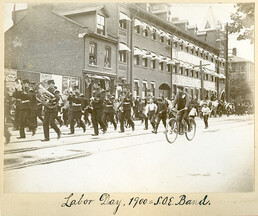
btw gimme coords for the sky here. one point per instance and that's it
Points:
(194, 13)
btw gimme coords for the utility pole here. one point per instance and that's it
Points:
(227, 73)
(201, 73)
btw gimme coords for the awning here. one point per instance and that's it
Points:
(144, 82)
(106, 78)
(124, 17)
(222, 76)
(94, 76)
(146, 54)
(147, 26)
(123, 47)
(137, 51)
(153, 83)
(137, 23)
(205, 70)
(162, 58)
(137, 81)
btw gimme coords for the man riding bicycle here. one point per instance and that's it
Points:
(182, 101)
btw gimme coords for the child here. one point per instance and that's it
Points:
(206, 112)
(193, 112)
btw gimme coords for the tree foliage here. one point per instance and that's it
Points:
(243, 21)
(238, 85)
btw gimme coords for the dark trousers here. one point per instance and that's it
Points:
(65, 116)
(33, 119)
(39, 114)
(205, 119)
(75, 116)
(183, 115)
(16, 118)
(126, 115)
(49, 120)
(159, 118)
(109, 117)
(23, 121)
(96, 118)
(151, 115)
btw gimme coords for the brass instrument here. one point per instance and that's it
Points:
(44, 96)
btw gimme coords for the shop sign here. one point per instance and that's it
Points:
(209, 85)
(186, 81)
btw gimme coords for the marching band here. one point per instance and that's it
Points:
(47, 104)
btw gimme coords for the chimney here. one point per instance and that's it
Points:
(234, 51)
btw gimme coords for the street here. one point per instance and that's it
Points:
(219, 159)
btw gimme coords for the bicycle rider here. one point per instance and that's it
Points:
(182, 101)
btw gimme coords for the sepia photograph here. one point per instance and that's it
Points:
(129, 98)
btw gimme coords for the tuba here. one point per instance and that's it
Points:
(44, 96)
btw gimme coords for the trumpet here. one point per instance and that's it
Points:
(44, 96)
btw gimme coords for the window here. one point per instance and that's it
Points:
(144, 89)
(169, 42)
(197, 75)
(161, 39)
(107, 62)
(175, 44)
(93, 54)
(181, 46)
(174, 69)
(212, 59)
(182, 70)
(196, 52)
(152, 89)
(122, 56)
(192, 73)
(136, 88)
(136, 59)
(100, 24)
(153, 64)
(123, 24)
(187, 72)
(207, 57)
(153, 35)
(145, 32)
(137, 29)
(192, 50)
(206, 77)
(186, 48)
(145, 62)
(212, 78)
(161, 66)
(168, 68)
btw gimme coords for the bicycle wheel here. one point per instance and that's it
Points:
(190, 134)
(171, 130)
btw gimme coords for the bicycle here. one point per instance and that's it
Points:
(172, 128)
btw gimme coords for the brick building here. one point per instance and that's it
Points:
(139, 46)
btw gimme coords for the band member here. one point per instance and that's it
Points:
(76, 110)
(24, 107)
(161, 114)
(33, 111)
(18, 86)
(50, 113)
(125, 112)
(96, 115)
(108, 114)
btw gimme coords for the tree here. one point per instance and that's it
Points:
(239, 88)
(243, 21)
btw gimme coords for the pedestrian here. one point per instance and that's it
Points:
(206, 112)
(108, 114)
(161, 114)
(193, 112)
(150, 111)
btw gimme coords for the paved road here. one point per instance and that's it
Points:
(219, 159)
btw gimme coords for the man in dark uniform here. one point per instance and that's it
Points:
(18, 87)
(24, 107)
(76, 110)
(182, 101)
(161, 114)
(109, 112)
(96, 115)
(51, 113)
(33, 111)
(125, 114)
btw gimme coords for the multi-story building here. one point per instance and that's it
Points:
(243, 69)
(139, 46)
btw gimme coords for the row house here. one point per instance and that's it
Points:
(137, 46)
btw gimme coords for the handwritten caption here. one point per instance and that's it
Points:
(107, 200)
